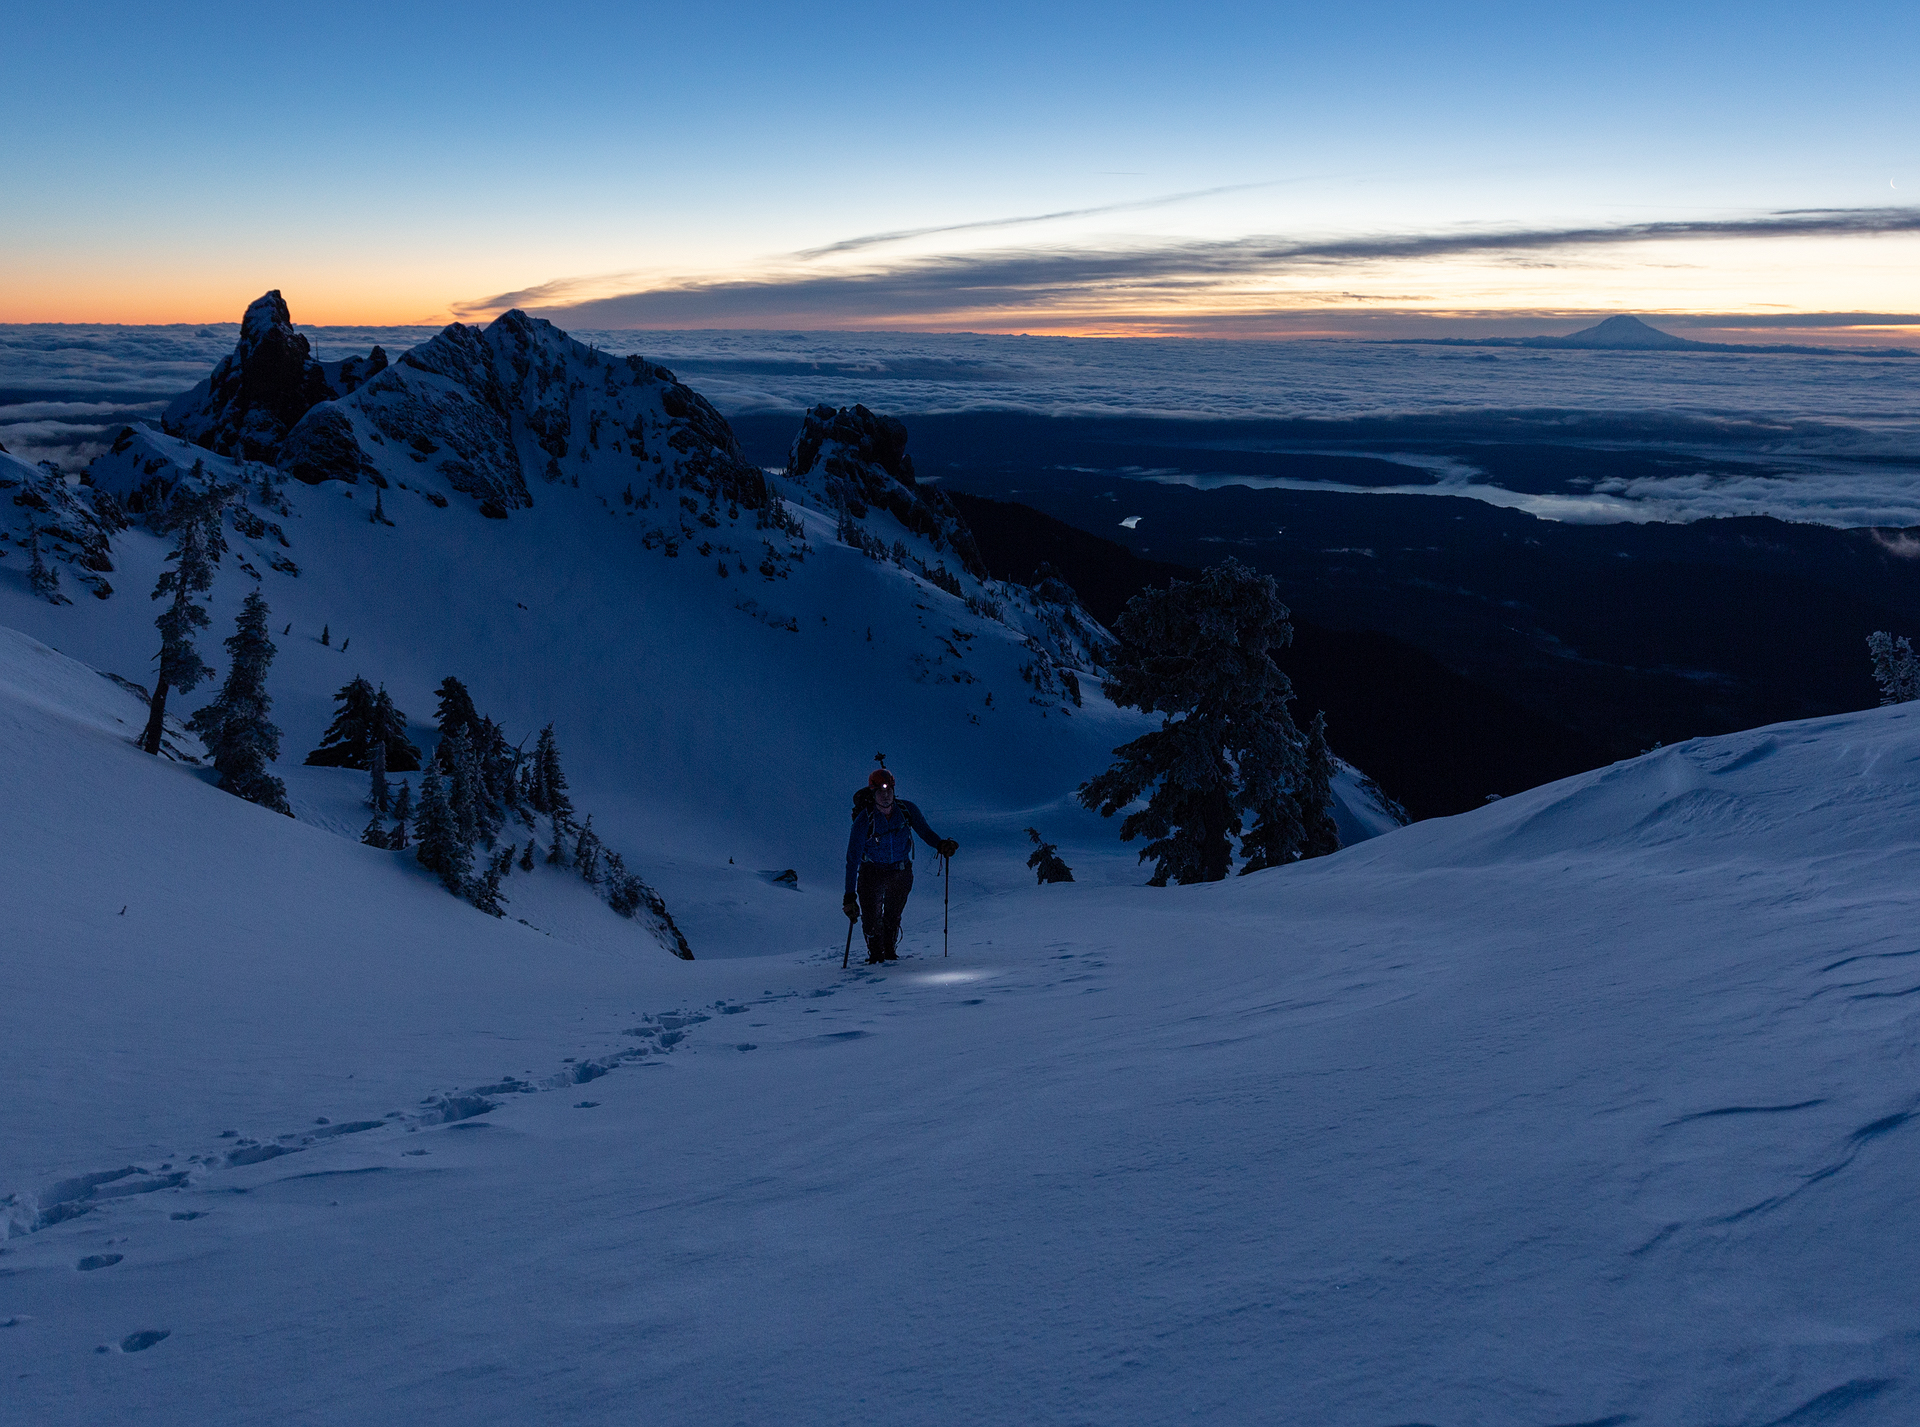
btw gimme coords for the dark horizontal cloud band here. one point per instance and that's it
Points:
(988, 285)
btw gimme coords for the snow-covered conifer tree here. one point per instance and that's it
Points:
(402, 813)
(235, 726)
(526, 858)
(181, 666)
(586, 853)
(389, 725)
(455, 708)
(377, 796)
(366, 715)
(344, 744)
(439, 846)
(1314, 795)
(537, 797)
(484, 890)
(499, 767)
(547, 785)
(1895, 669)
(1199, 654)
(42, 578)
(374, 835)
(454, 758)
(557, 854)
(1045, 860)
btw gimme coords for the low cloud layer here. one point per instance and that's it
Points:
(1824, 438)
(1113, 283)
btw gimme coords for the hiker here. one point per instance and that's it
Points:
(880, 862)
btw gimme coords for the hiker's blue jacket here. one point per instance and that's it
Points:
(885, 838)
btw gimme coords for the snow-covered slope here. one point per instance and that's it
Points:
(1596, 1105)
(721, 650)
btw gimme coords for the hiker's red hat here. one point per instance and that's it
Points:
(879, 778)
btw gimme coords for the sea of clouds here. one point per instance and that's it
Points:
(1828, 438)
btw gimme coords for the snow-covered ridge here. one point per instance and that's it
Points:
(497, 416)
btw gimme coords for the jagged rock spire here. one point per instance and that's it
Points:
(267, 383)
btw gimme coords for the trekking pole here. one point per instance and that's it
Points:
(849, 951)
(946, 899)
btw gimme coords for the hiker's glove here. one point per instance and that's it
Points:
(947, 847)
(851, 907)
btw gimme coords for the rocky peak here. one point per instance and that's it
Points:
(257, 392)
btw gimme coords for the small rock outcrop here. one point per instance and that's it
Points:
(857, 460)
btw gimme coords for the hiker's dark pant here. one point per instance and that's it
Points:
(883, 891)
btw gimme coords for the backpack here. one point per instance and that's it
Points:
(863, 804)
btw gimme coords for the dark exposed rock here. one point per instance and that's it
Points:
(861, 460)
(323, 448)
(257, 392)
(348, 376)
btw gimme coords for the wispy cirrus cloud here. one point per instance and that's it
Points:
(988, 286)
(1138, 205)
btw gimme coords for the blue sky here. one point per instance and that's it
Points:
(406, 162)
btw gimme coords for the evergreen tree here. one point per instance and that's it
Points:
(1199, 654)
(365, 715)
(389, 725)
(235, 726)
(1314, 796)
(1895, 669)
(1045, 860)
(455, 709)
(42, 578)
(180, 664)
(498, 764)
(546, 783)
(526, 858)
(439, 846)
(586, 853)
(455, 760)
(377, 797)
(625, 892)
(326, 635)
(484, 890)
(344, 744)
(374, 835)
(557, 854)
(402, 812)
